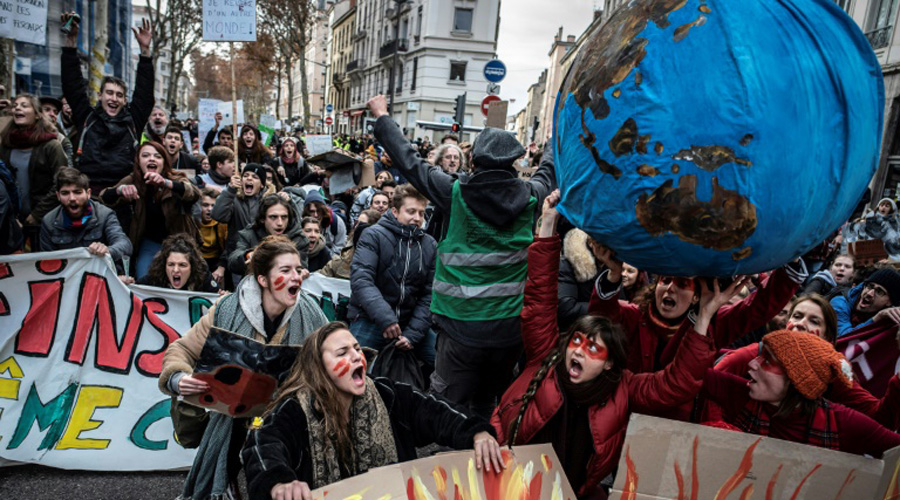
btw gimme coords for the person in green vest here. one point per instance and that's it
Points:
(482, 262)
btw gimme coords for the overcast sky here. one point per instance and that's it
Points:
(527, 28)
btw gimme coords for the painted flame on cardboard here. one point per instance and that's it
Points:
(516, 482)
(630, 489)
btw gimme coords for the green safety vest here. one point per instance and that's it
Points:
(481, 269)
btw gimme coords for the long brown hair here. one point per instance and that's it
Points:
(42, 124)
(167, 171)
(592, 327)
(308, 378)
(257, 153)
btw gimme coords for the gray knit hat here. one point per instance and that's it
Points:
(496, 149)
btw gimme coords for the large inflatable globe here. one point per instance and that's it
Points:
(718, 137)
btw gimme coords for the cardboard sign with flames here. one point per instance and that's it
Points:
(532, 472)
(666, 459)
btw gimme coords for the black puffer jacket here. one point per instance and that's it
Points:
(391, 276)
(108, 146)
(279, 450)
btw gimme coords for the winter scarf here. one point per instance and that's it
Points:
(24, 138)
(370, 430)
(69, 223)
(589, 393)
(821, 431)
(318, 247)
(241, 313)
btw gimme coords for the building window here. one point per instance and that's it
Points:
(399, 78)
(415, 73)
(881, 22)
(419, 23)
(462, 20)
(457, 71)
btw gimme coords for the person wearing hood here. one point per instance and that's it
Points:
(269, 306)
(318, 254)
(275, 216)
(391, 277)
(28, 145)
(489, 218)
(331, 227)
(110, 131)
(838, 275)
(877, 298)
(251, 148)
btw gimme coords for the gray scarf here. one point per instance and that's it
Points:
(241, 313)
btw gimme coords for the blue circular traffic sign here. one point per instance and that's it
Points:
(494, 71)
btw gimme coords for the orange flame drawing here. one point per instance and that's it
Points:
(516, 482)
(735, 480)
(695, 480)
(893, 489)
(629, 492)
(680, 480)
(800, 486)
(850, 477)
(747, 493)
(770, 490)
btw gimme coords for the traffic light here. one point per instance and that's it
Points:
(454, 128)
(459, 110)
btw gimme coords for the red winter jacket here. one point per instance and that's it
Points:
(729, 324)
(645, 393)
(885, 411)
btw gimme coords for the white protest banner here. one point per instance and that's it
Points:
(7, 13)
(29, 24)
(80, 354)
(318, 144)
(226, 108)
(206, 114)
(266, 127)
(229, 20)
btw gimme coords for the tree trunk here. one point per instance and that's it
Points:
(290, 89)
(278, 65)
(304, 90)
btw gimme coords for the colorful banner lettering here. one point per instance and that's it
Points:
(80, 354)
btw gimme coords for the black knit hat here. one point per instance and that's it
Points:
(890, 280)
(496, 149)
(257, 169)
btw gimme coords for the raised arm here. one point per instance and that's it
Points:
(540, 327)
(142, 99)
(431, 181)
(73, 83)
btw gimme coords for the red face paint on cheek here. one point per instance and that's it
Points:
(341, 365)
(280, 284)
(365, 365)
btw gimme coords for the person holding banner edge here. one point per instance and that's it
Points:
(268, 306)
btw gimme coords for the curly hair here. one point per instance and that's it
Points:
(268, 201)
(442, 150)
(592, 326)
(178, 243)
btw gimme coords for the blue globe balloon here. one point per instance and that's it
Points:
(718, 137)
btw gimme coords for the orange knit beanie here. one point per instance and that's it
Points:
(811, 363)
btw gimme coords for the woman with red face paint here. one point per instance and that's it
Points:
(784, 397)
(814, 314)
(575, 390)
(653, 321)
(268, 306)
(330, 421)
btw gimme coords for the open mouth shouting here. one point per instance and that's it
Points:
(575, 369)
(152, 167)
(667, 303)
(249, 188)
(177, 281)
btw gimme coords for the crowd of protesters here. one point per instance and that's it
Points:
(527, 329)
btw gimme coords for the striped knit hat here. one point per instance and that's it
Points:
(811, 363)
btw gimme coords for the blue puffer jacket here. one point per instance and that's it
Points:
(391, 276)
(843, 307)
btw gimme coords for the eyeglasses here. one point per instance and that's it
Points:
(591, 349)
(683, 283)
(879, 290)
(768, 362)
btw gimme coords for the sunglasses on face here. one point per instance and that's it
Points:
(683, 283)
(590, 348)
(768, 362)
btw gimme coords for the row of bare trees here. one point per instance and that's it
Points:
(283, 36)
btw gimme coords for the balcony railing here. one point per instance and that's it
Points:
(402, 45)
(352, 65)
(880, 38)
(359, 35)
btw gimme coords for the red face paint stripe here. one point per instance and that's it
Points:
(340, 364)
